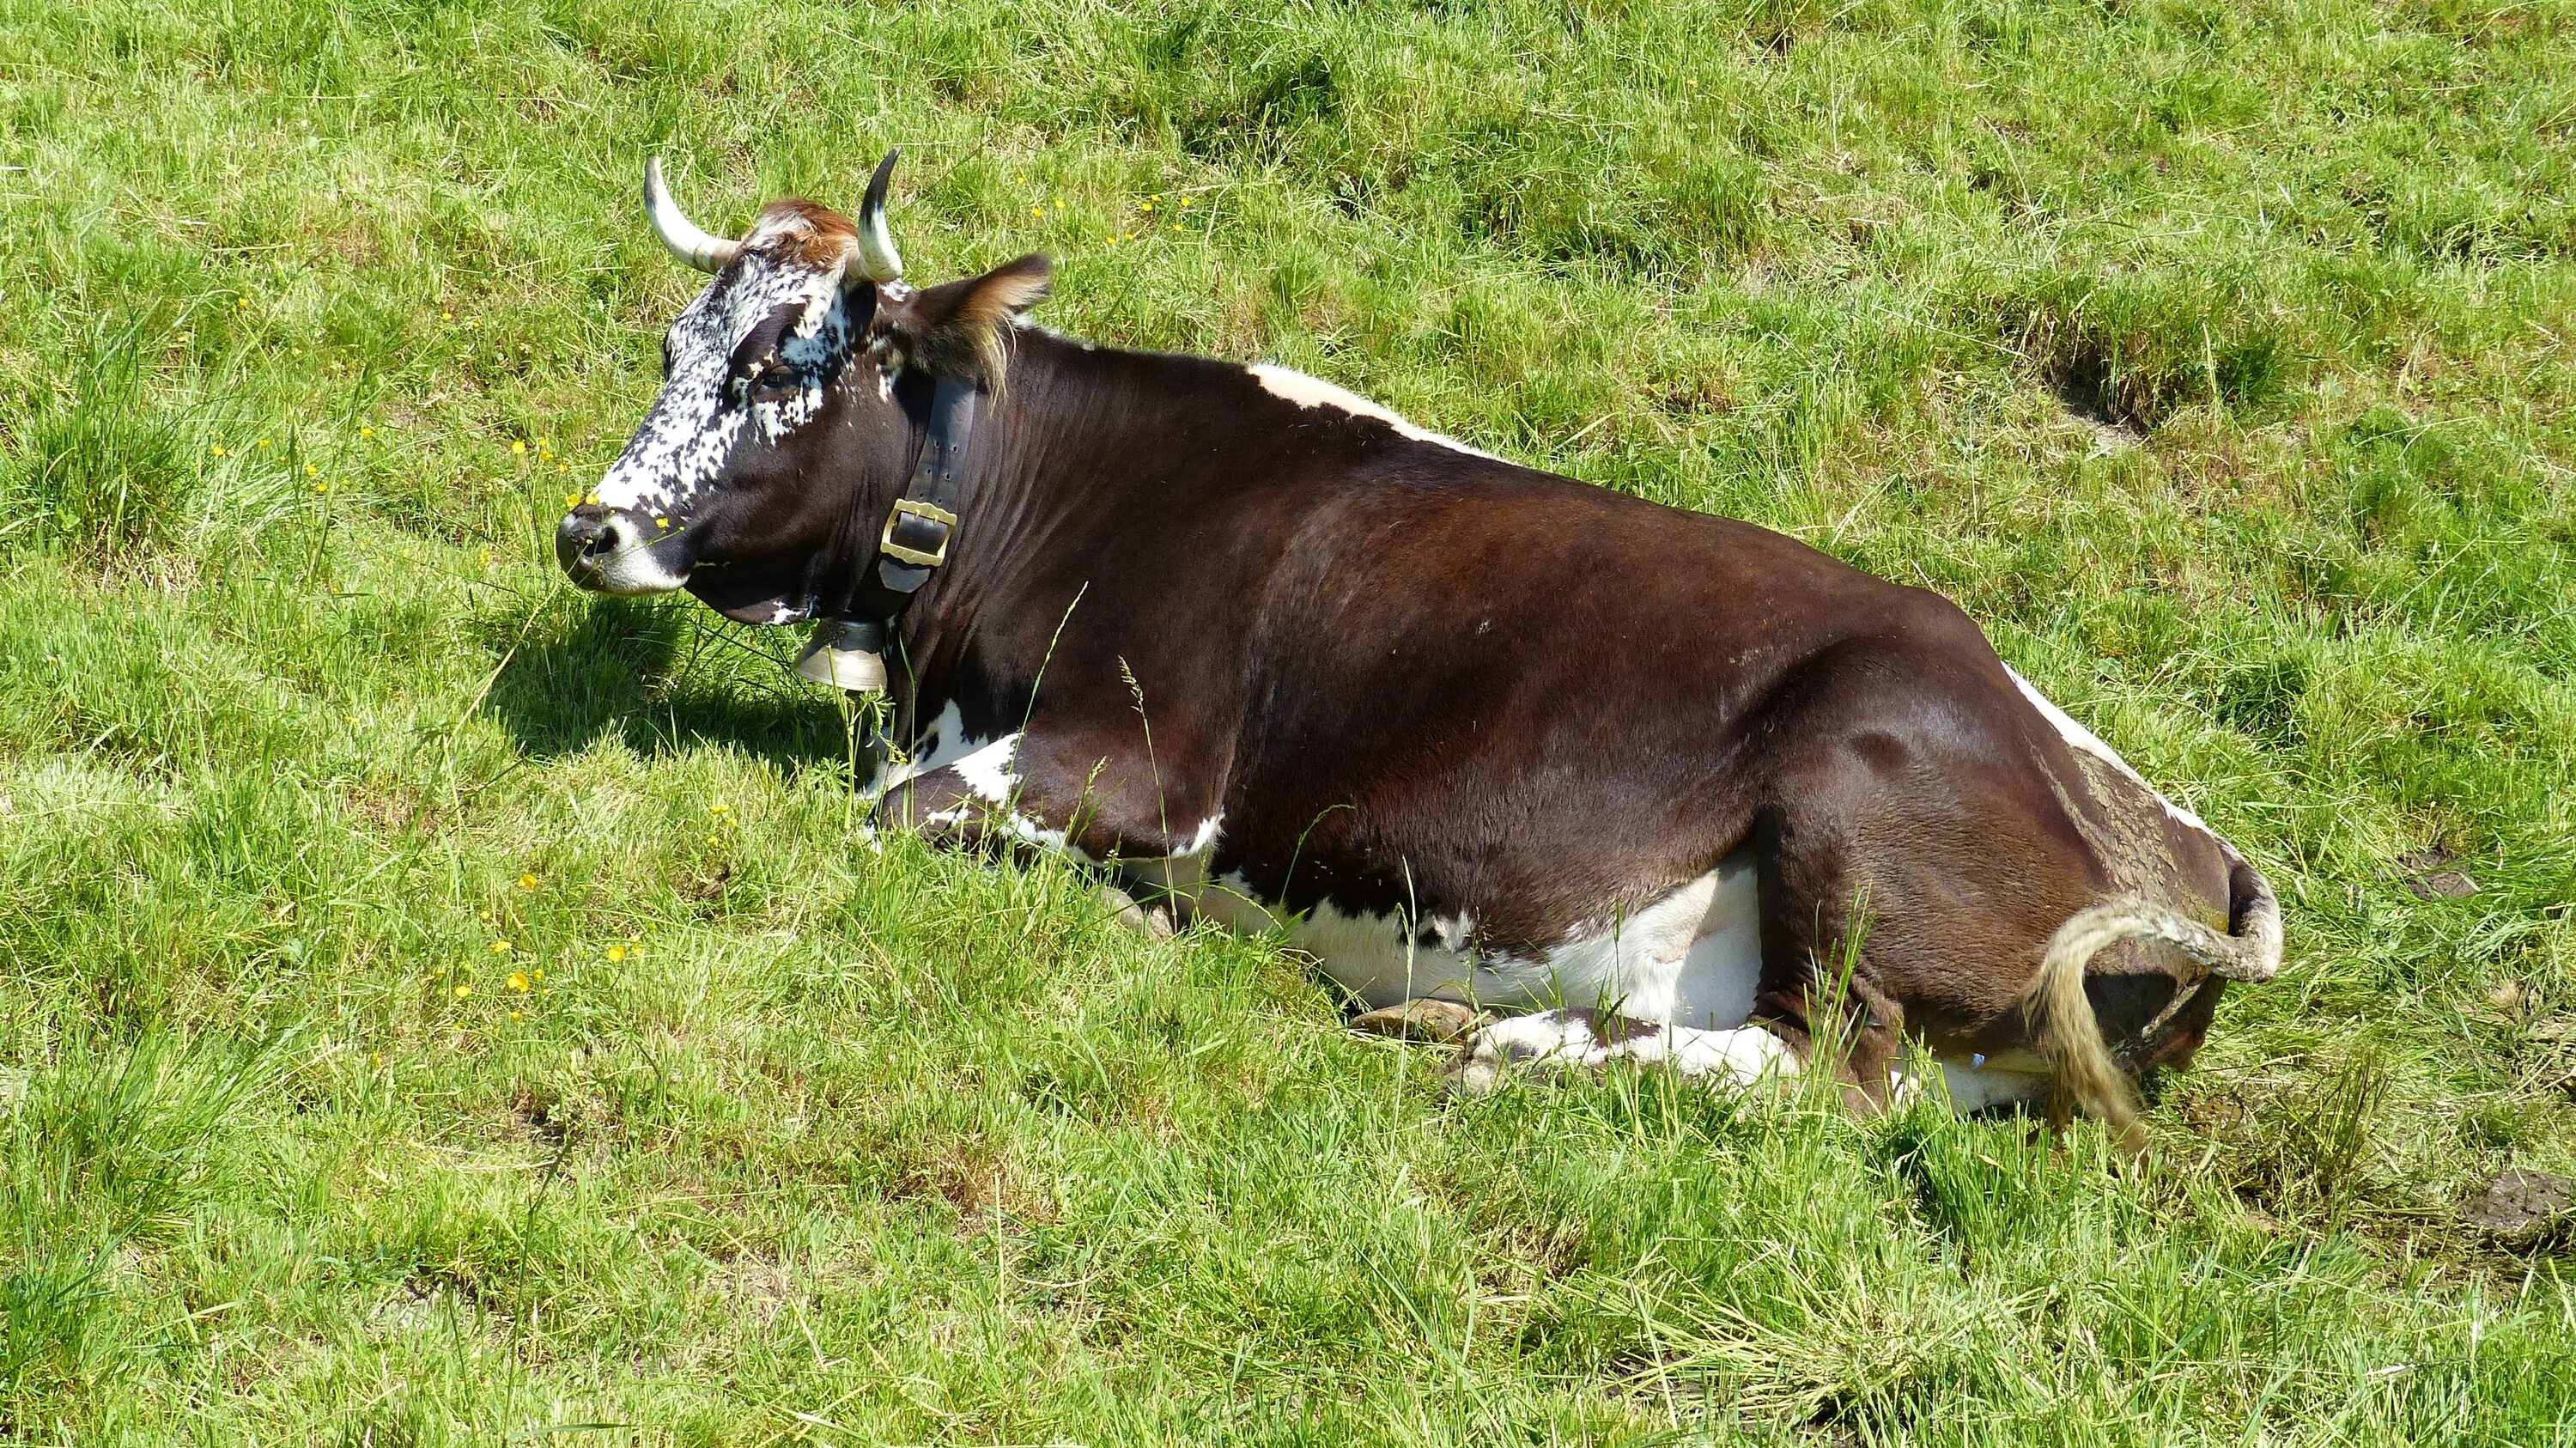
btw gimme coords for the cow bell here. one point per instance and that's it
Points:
(846, 654)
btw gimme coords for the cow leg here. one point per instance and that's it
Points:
(1570, 1039)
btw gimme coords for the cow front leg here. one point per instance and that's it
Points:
(1562, 1040)
(959, 807)
(956, 808)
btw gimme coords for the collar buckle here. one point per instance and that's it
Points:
(917, 533)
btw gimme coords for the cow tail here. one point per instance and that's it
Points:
(2070, 1036)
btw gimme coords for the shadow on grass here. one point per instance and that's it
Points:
(663, 676)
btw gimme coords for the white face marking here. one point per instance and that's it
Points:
(1307, 391)
(683, 444)
(628, 563)
(2079, 737)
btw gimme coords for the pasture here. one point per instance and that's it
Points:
(440, 1007)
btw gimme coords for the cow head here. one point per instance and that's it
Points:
(778, 424)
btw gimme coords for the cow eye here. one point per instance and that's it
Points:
(772, 381)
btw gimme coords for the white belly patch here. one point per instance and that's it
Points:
(1691, 958)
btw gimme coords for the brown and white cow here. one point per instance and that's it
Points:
(1678, 788)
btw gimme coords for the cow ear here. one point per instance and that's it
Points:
(962, 329)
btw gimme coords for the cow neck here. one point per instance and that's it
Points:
(848, 650)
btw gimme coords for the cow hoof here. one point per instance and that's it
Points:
(1437, 1022)
(1154, 923)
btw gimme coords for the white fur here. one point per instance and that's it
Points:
(942, 744)
(1306, 391)
(989, 772)
(1564, 1039)
(1690, 958)
(629, 563)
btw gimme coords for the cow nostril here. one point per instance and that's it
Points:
(578, 538)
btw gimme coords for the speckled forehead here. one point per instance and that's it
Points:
(680, 449)
(768, 277)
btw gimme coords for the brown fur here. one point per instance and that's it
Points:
(811, 234)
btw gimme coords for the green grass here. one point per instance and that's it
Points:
(2216, 356)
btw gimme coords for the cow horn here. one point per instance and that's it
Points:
(679, 233)
(878, 260)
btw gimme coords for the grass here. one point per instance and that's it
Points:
(2215, 356)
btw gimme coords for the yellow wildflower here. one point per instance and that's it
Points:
(517, 446)
(518, 981)
(540, 976)
(572, 500)
(500, 947)
(263, 442)
(527, 882)
(366, 432)
(719, 808)
(514, 1015)
(463, 990)
(446, 316)
(219, 449)
(616, 953)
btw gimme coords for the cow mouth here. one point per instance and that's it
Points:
(607, 551)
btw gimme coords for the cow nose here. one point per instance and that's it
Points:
(587, 535)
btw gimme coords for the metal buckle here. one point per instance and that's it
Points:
(928, 513)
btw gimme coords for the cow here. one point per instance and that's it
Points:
(1477, 737)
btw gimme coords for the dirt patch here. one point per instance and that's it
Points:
(2427, 875)
(2523, 1208)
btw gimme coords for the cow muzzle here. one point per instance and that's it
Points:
(613, 550)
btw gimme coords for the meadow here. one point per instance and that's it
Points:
(440, 1007)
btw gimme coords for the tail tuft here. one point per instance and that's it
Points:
(2070, 1036)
